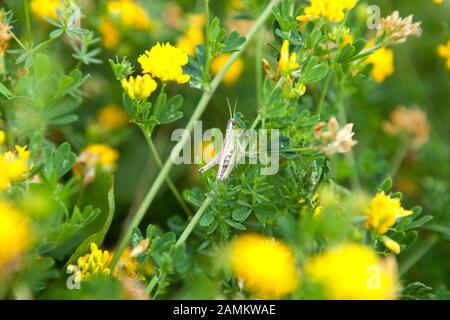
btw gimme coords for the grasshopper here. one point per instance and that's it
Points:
(228, 157)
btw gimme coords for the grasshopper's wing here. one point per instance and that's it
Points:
(210, 164)
(221, 176)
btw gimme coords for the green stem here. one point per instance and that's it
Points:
(169, 181)
(350, 156)
(201, 106)
(26, 5)
(194, 221)
(18, 41)
(324, 93)
(182, 239)
(258, 68)
(398, 158)
(208, 58)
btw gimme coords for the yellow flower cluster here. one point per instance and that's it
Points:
(382, 61)
(14, 165)
(129, 13)
(233, 73)
(93, 263)
(15, 236)
(46, 8)
(383, 212)
(331, 10)
(287, 63)
(265, 266)
(140, 87)
(193, 36)
(112, 117)
(352, 271)
(165, 62)
(444, 52)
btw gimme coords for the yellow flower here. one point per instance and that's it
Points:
(2, 137)
(331, 10)
(233, 73)
(287, 63)
(100, 154)
(109, 32)
(193, 36)
(352, 271)
(46, 8)
(207, 151)
(391, 244)
(112, 117)
(165, 62)
(14, 166)
(265, 266)
(383, 64)
(93, 263)
(128, 266)
(139, 88)
(438, 1)
(383, 212)
(15, 234)
(129, 14)
(444, 52)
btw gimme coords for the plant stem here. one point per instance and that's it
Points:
(193, 222)
(26, 5)
(201, 106)
(169, 181)
(350, 156)
(183, 237)
(324, 93)
(399, 156)
(258, 69)
(207, 70)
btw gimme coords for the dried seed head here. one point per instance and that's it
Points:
(335, 139)
(409, 122)
(398, 29)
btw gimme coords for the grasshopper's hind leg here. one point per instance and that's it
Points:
(210, 164)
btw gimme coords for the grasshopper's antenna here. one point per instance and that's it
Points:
(235, 106)
(229, 108)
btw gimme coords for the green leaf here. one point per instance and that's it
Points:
(241, 214)
(233, 42)
(41, 67)
(181, 261)
(5, 91)
(419, 222)
(168, 112)
(136, 237)
(100, 194)
(316, 73)
(206, 219)
(64, 120)
(346, 53)
(64, 159)
(235, 225)
(386, 185)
